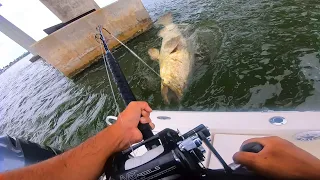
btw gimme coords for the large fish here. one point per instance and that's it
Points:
(175, 60)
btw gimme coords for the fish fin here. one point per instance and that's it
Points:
(154, 53)
(165, 19)
(164, 93)
(172, 45)
(161, 33)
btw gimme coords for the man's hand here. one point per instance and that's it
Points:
(280, 159)
(128, 120)
(87, 160)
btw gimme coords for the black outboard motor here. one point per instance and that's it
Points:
(17, 153)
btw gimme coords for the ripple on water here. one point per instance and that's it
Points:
(310, 67)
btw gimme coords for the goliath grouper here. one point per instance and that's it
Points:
(175, 60)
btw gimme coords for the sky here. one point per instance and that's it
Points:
(31, 16)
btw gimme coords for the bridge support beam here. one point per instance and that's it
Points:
(16, 34)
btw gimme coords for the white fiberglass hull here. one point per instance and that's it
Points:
(230, 129)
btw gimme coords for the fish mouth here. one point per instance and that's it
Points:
(169, 94)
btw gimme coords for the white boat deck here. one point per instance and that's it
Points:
(230, 129)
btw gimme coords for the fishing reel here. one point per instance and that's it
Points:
(178, 157)
(175, 156)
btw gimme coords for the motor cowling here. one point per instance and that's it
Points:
(16, 153)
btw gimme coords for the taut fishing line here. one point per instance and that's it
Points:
(133, 53)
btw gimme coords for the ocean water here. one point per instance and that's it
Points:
(250, 56)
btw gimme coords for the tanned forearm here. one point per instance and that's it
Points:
(87, 160)
(83, 162)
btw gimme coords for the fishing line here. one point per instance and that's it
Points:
(106, 64)
(133, 53)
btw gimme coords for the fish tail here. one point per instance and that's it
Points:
(165, 20)
(164, 93)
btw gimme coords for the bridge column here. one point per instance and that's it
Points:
(16, 34)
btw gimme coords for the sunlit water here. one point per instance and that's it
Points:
(251, 56)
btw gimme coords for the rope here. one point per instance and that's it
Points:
(132, 52)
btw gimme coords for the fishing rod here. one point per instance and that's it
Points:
(124, 89)
(178, 156)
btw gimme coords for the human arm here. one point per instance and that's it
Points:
(87, 160)
(280, 159)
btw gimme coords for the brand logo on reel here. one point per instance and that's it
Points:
(132, 175)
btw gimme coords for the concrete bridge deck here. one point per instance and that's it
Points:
(73, 48)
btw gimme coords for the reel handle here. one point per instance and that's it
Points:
(146, 134)
(253, 147)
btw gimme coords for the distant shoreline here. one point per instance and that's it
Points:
(2, 70)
